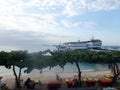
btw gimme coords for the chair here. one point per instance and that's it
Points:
(90, 82)
(105, 82)
(69, 83)
(54, 85)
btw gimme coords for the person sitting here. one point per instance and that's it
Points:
(29, 84)
(75, 83)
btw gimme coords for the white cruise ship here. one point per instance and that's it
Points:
(91, 44)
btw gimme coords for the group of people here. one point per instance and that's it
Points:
(29, 84)
(75, 83)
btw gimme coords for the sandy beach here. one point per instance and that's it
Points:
(50, 76)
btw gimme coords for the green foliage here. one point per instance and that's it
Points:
(4, 59)
(39, 61)
(18, 58)
(63, 57)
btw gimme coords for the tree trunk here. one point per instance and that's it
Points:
(17, 78)
(79, 72)
(116, 73)
(19, 73)
(14, 72)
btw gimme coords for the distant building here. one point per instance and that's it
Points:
(92, 44)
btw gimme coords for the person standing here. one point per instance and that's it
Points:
(1, 84)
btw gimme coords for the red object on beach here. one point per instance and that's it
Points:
(105, 82)
(90, 83)
(69, 84)
(53, 85)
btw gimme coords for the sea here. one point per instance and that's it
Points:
(57, 69)
(67, 68)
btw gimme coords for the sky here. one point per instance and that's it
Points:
(33, 25)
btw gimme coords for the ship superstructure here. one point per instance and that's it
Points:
(79, 45)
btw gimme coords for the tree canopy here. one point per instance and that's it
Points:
(39, 60)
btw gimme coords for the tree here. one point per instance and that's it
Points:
(18, 59)
(23, 59)
(39, 60)
(75, 56)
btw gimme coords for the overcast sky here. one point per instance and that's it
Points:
(30, 24)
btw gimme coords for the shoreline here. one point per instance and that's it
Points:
(46, 77)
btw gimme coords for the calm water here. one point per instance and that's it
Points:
(68, 68)
(83, 66)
